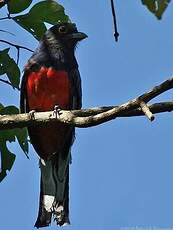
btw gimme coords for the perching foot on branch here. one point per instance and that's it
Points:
(32, 114)
(57, 111)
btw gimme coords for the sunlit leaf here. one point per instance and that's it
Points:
(45, 11)
(17, 6)
(8, 66)
(157, 7)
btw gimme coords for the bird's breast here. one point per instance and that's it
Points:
(48, 87)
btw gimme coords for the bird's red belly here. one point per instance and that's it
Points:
(47, 88)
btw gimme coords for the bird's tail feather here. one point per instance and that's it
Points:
(54, 191)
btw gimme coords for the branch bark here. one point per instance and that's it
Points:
(94, 116)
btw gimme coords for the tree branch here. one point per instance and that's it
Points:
(91, 117)
(18, 47)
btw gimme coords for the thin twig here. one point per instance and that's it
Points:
(18, 54)
(7, 82)
(4, 18)
(18, 47)
(116, 34)
(8, 17)
(15, 45)
(5, 31)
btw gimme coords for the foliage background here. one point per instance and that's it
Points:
(122, 171)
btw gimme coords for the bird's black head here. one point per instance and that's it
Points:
(66, 34)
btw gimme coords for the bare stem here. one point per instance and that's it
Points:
(116, 34)
(15, 45)
(4, 18)
(7, 82)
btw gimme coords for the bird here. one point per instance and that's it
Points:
(52, 80)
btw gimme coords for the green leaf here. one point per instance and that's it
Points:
(48, 11)
(11, 109)
(1, 107)
(7, 157)
(2, 72)
(8, 135)
(7, 160)
(36, 28)
(8, 66)
(45, 11)
(4, 52)
(21, 135)
(17, 6)
(157, 7)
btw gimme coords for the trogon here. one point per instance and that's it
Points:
(51, 78)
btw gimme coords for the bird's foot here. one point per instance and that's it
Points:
(60, 216)
(32, 114)
(57, 111)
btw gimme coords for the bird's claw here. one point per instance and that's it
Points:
(57, 111)
(32, 114)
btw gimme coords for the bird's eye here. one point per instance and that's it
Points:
(62, 29)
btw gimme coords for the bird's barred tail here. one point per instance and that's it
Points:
(54, 191)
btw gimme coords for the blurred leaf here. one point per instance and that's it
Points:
(17, 6)
(45, 11)
(7, 160)
(8, 66)
(157, 7)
